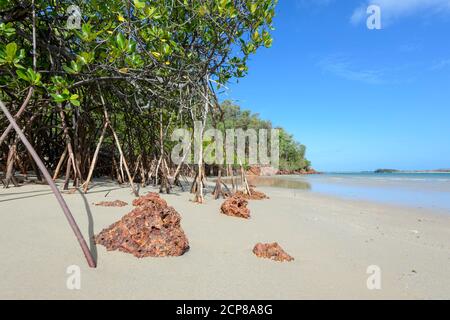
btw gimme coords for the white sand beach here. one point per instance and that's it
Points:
(333, 242)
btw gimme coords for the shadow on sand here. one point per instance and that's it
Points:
(92, 245)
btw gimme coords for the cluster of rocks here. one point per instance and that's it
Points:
(254, 195)
(271, 251)
(297, 172)
(254, 171)
(269, 171)
(236, 206)
(150, 197)
(116, 203)
(151, 230)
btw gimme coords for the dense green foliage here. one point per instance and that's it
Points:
(159, 45)
(135, 65)
(102, 85)
(292, 153)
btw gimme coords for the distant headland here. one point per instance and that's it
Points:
(411, 171)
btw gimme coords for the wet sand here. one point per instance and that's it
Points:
(333, 241)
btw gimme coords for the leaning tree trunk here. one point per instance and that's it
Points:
(17, 115)
(10, 166)
(94, 158)
(59, 165)
(77, 173)
(48, 178)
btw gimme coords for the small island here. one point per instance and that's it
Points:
(386, 171)
(411, 171)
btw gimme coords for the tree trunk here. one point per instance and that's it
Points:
(94, 158)
(60, 163)
(48, 178)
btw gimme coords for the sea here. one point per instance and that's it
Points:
(419, 190)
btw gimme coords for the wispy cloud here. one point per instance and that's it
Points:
(409, 47)
(312, 3)
(344, 68)
(392, 10)
(443, 64)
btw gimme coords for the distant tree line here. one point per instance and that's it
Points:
(292, 153)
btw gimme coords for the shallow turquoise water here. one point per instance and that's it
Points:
(426, 190)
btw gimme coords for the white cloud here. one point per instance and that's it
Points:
(344, 68)
(395, 9)
(309, 3)
(443, 64)
(314, 2)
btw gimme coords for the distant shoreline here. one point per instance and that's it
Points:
(411, 171)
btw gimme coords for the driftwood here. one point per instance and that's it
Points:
(116, 203)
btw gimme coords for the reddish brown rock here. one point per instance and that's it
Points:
(117, 203)
(255, 195)
(310, 171)
(254, 171)
(236, 206)
(271, 251)
(151, 230)
(149, 197)
(268, 171)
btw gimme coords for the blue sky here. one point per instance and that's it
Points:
(359, 99)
